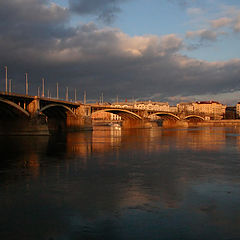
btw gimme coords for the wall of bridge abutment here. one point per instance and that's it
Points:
(132, 123)
(175, 123)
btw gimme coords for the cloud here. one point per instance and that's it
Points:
(106, 10)
(237, 24)
(106, 60)
(221, 22)
(232, 17)
(203, 34)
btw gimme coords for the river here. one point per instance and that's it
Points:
(121, 184)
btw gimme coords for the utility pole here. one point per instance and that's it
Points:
(66, 93)
(10, 85)
(75, 94)
(26, 75)
(85, 98)
(42, 87)
(6, 79)
(57, 91)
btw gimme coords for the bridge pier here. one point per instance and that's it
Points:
(30, 126)
(70, 121)
(34, 106)
(175, 124)
(130, 123)
(81, 121)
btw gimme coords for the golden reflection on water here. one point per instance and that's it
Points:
(88, 175)
(104, 139)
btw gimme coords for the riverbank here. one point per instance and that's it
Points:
(218, 123)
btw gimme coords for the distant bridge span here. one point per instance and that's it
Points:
(167, 115)
(123, 113)
(194, 117)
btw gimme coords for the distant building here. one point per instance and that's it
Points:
(213, 109)
(105, 116)
(144, 105)
(187, 107)
(230, 113)
(238, 110)
(173, 109)
(155, 106)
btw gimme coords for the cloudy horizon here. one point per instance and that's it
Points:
(134, 49)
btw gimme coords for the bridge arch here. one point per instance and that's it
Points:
(57, 110)
(9, 109)
(166, 115)
(194, 117)
(123, 113)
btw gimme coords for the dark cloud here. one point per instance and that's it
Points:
(106, 10)
(101, 60)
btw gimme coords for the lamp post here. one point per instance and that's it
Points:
(42, 87)
(85, 98)
(6, 79)
(57, 91)
(26, 80)
(10, 85)
(66, 93)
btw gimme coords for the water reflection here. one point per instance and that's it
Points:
(111, 184)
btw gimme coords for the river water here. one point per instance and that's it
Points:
(121, 184)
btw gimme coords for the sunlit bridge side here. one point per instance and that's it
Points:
(166, 116)
(194, 118)
(124, 114)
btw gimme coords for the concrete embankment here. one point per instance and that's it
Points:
(209, 123)
(218, 123)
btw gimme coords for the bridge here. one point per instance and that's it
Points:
(41, 115)
(134, 117)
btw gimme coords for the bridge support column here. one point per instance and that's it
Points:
(174, 124)
(81, 121)
(137, 124)
(34, 106)
(37, 124)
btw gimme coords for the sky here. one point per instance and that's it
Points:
(160, 50)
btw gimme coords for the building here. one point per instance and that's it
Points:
(155, 106)
(230, 113)
(105, 116)
(213, 109)
(187, 107)
(238, 110)
(144, 105)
